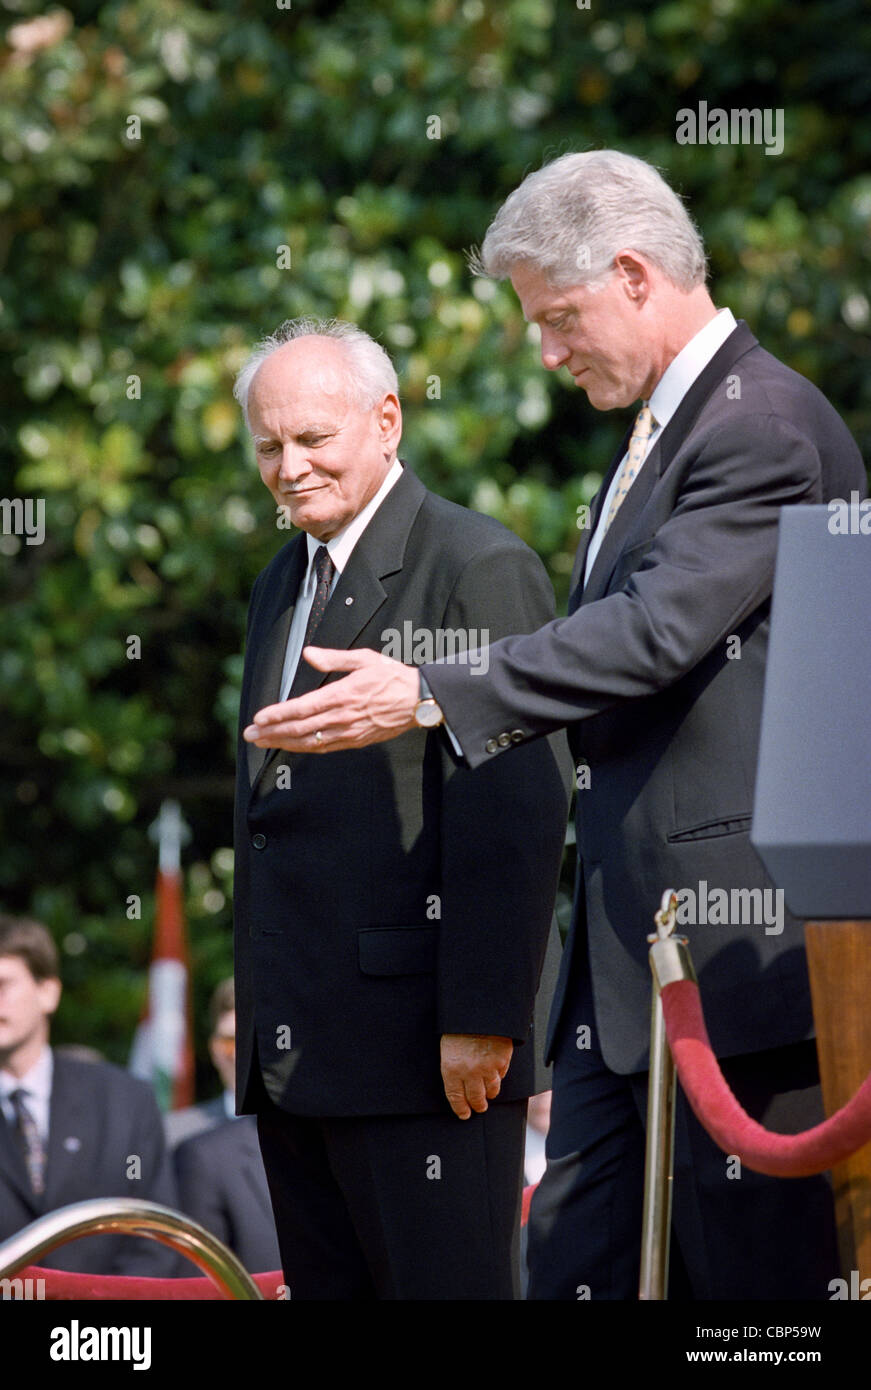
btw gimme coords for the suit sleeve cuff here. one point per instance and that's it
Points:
(426, 694)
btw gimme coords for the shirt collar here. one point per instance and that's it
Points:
(689, 364)
(343, 542)
(36, 1082)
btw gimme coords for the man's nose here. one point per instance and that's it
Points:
(553, 352)
(294, 463)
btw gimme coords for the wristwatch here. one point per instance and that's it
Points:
(427, 711)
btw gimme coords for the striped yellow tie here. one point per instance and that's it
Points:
(641, 431)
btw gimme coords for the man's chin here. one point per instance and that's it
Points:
(594, 391)
(601, 398)
(313, 519)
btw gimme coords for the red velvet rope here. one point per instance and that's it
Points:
(59, 1284)
(778, 1155)
(527, 1198)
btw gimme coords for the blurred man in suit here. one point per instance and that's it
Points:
(658, 671)
(195, 1119)
(392, 909)
(221, 1179)
(70, 1129)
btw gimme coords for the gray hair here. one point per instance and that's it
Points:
(371, 374)
(568, 220)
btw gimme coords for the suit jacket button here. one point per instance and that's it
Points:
(504, 740)
(491, 746)
(517, 735)
(259, 841)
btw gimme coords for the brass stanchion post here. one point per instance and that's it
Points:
(135, 1218)
(669, 961)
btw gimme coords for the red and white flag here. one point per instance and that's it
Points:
(162, 1051)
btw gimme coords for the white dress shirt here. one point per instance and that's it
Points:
(339, 548)
(667, 395)
(36, 1084)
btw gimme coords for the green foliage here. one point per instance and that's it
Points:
(163, 160)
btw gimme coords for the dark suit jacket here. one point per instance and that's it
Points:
(666, 720)
(100, 1117)
(395, 895)
(222, 1184)
(179, 1125)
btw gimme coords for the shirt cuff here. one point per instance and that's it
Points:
(426, 694)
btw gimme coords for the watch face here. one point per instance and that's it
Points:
(428, 714)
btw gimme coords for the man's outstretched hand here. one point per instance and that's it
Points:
(375, 702)
(473, 1067)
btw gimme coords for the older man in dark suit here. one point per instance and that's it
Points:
(392, 908)
(658, 671)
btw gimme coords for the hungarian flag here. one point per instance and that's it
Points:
(162, 1051)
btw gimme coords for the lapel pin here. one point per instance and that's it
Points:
(72, 1144)
(348, 601)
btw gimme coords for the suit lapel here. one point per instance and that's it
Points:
(268, 643)
(740, 341)
(67, 1138)
(630, 509)
(13, 1169)
(69, 1125)
(577, 580)
(355, 600)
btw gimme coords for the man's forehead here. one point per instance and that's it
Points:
(313, 369)
(13, 964)
(301, 400)
(537, 296)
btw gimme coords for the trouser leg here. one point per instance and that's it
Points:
(321, 1256)
(397, 1207)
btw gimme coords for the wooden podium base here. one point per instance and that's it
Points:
(839, 960)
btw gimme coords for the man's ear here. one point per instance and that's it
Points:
(49, 994)
(634, 274)
(390, 423)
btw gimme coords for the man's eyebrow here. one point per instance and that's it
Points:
(549, 310)
(312, 428)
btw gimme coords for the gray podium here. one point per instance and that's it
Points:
(812, 812)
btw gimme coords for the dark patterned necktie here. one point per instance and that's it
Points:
(325, 570)
(29, 1139)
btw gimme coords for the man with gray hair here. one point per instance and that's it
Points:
(658, 673)
(392, 908)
